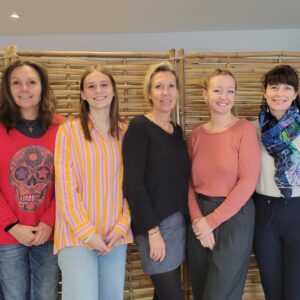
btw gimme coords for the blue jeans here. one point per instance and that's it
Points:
(88, 276)
(28, 272)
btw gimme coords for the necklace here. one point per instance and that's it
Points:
(30, 125)
(168, 127)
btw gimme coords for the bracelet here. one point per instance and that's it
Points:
(86, 240)
(156, 228)
(154, 234)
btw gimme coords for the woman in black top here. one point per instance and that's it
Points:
(156, 175)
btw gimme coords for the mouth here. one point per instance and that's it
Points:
(99, 98)
(279, 101)
(25, 97)
(223, 104)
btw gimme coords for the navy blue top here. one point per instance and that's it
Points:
(156, 173)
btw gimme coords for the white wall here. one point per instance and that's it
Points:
(251, 40)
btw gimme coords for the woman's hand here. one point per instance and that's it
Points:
(208, 241)
(112, 238)
(201, 227)
(157, 245)
(24, 234)
(97, 243)
(42, 234)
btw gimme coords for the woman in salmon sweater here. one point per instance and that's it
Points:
(225, 166)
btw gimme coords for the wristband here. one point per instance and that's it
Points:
(10, 226)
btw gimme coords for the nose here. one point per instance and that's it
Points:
(99, 88)
(165, 91)
(280, 91)
(31, 181)
(24, 86)
(223, 95)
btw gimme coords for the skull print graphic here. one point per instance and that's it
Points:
(31, 171)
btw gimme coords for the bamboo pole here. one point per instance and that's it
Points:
(182, 87)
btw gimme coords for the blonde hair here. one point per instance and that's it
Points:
(164, 66)
(217, 72)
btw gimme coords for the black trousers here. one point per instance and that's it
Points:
(277, 246)
(220, 274)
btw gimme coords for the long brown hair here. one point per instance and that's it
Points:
(10, 114)
(114, 115)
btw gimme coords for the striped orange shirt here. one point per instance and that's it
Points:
(88, 183)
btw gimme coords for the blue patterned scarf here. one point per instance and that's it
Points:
(277, 137)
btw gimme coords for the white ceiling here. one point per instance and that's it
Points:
(141, 16)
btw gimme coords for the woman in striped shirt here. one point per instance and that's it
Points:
(92, 221)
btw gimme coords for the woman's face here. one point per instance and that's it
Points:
(26, 88)
(279, 98)
(97, 91)
(163, 92)
(220, 94)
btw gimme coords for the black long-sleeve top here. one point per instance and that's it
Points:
(156, 173)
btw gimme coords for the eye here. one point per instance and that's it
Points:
(105, 84)
(289, 87)
(273, 87)
(15, 82)
(33, 82)
(21, 173)
(231, 92)
(90, 86)
(216, 91)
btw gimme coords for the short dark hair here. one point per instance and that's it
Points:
(283, 74)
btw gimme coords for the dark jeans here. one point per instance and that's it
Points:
(1, 293)
(277, 246)
(220, 274)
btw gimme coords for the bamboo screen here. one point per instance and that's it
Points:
(248, 69)
(128, 68)
(65, 70)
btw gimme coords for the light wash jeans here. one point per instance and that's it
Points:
(88, 276)
(28, 272)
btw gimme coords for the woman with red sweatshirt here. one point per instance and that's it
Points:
(28, 268)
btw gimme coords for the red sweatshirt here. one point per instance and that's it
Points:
(26, 179)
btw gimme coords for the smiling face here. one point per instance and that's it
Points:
(220, 94)
(97, 91)
(25, 88)
(279, 98)
(163, 92)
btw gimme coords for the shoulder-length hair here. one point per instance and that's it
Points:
(114, 115)
(10, 113)
(282, 74)
(164, 66)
